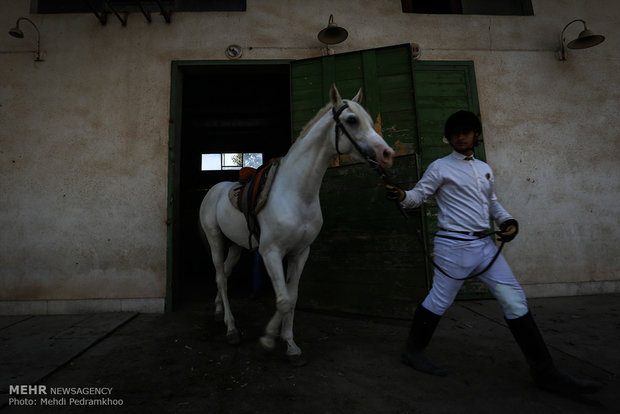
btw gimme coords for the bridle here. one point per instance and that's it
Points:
(339, 127)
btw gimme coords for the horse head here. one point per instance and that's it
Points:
(363, 143)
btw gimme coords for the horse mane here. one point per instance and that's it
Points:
(306, 129)
(313, 121)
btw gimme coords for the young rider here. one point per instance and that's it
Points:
(463, 187)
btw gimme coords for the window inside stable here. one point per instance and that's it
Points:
(492, 7)
(231, 161)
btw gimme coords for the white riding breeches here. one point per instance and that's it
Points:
(462, 258)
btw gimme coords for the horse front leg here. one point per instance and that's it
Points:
(295, 267)
(273, 263)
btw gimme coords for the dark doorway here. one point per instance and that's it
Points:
(226, 109)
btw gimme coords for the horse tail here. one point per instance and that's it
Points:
(203, 235)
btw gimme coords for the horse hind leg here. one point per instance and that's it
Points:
(223, 268)
(216, 244)
(234, 253)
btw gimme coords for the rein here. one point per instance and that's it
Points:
(383, 175)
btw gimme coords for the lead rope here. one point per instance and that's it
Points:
(384, 177)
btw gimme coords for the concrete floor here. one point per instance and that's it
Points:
(180, 362)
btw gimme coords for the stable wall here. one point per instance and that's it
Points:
(84, 138)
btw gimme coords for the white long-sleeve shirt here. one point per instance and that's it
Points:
(464, 191)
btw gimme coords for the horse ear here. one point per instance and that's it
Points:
(358, 98)
(334, 95)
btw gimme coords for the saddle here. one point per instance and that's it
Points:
(250, 194)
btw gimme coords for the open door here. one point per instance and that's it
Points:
(224, 115)
(367, 258)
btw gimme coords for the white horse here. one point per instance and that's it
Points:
(291, 218)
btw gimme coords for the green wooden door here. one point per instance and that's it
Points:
(367, 258)
(442, 88)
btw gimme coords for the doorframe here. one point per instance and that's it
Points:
(177, 71)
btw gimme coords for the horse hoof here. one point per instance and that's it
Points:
(233, 337)
(267, 343)
(297, 360)
(219, 317)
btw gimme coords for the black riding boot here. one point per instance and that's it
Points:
(422, 328)
(542, 368)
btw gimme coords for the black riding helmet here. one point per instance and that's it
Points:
(462, 121)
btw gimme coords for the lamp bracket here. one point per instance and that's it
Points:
(562, 51)
(18, 33)
(586, 39)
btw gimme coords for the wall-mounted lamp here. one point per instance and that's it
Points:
(332, 34)
(17, 32)
(585, 39)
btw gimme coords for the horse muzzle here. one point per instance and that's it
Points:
(384, 155)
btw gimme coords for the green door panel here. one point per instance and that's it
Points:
(442, 88)
(385, 78)
(366, 259)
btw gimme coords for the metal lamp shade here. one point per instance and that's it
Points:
(333, 33)
(586, 39)
(16, 32)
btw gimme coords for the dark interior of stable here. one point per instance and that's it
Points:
(225, 109)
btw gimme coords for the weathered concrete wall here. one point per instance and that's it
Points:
(84, 137)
